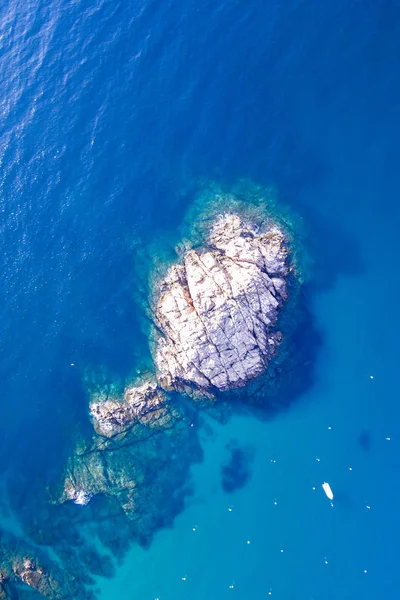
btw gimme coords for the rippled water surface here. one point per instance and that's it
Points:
(113, 116)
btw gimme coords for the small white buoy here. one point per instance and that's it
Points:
(328, 490)
(388, 439)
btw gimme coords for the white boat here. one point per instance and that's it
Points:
(328, 490)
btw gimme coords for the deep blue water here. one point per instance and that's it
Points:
(112, 115)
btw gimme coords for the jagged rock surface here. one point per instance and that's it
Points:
(143, 407)
(218, 311)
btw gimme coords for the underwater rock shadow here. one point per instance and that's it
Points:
(236, 471)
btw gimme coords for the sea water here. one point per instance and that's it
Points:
(113, 114)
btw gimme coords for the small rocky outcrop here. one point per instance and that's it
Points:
(217, 312)
(142, 408)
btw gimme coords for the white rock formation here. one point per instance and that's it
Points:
(217, 312)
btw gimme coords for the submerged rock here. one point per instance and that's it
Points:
(217, 312)
(144, 478)
(139, 456)
(24, 567)
(236, 472)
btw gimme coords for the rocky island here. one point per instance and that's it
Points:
(215, 320)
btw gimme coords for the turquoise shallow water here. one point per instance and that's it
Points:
(113, 114)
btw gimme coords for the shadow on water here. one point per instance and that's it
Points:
(343, 500)
(364, 440)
